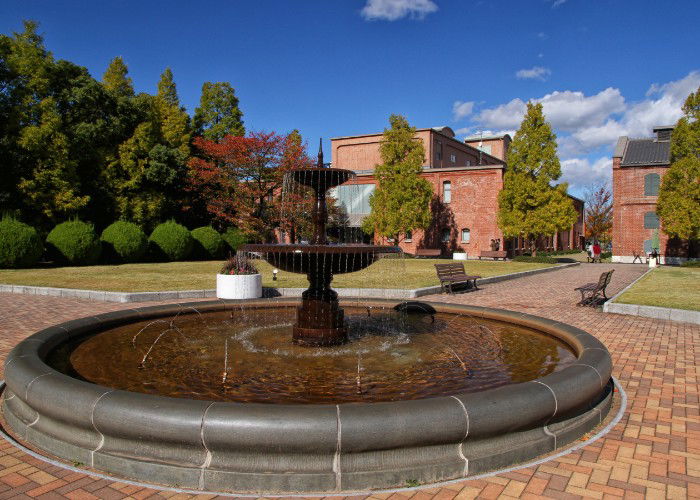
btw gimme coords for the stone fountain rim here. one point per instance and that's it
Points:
(205, 445)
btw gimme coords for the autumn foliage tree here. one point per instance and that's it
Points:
(240, 179)
(599, 213)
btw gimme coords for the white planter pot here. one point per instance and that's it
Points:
(243, 286)
(459, 256)
(652, 262)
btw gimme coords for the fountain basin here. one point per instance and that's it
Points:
(276, 448)
(320, 259)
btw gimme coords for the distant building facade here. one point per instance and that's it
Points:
(466, 178)
(639, 166)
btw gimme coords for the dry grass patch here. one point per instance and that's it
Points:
(675, 287)
(386, 273)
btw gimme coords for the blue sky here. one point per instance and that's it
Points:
(340, 67)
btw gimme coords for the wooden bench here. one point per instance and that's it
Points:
(451, 274)
(590, 292)
(428, 252)
(493, 254)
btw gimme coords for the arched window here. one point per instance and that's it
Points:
(466, 235)
(651, 184)
(446, 192)
(651, 220)
(445, 237)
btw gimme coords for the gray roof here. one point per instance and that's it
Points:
(646, 152)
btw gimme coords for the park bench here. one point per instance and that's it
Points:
(428, 252)
(452, 274)
(591, 292)
(493, 254)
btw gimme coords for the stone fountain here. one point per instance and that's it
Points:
(451, 391)
(320, 320)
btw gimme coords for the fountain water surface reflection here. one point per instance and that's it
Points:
(246, 355)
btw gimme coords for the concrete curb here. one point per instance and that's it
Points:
(667, 313)
(268, 292)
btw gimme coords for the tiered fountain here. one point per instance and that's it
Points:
(213, 396)
(320, 321)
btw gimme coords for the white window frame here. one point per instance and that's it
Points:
(469, 235)
(447, 193)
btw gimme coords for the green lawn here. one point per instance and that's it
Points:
(675, 287)
(386, 273)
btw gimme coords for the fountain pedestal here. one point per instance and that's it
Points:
(320, 320)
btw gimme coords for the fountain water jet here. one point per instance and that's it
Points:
(320, 320)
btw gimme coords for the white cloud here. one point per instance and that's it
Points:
(391, 10)
(542, 35)
(557, 3)
(566, 110)
(461, 109)
(580, 172)
(534, 73)
(586, 124)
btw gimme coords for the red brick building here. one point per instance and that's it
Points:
(466, 178)
(638, 168)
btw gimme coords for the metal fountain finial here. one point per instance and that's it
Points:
(320, 153)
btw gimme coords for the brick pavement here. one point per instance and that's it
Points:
(654, 452)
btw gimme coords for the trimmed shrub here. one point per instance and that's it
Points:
(170, 241)
(538, 259)
(691, 263)
(208, 243)
(123, 242)
(74, 242)
(20, 244)
(234, 238)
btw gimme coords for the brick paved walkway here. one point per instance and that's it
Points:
(654, 452)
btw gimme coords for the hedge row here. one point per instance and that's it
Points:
(76, 243)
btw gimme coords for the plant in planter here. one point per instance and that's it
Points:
(238, 279)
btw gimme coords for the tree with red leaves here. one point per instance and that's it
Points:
(240, 179)
(599, 213)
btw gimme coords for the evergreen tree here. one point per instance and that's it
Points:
(401, 200)
(685, 139)
(529, 205)
(218, 114)
(678, 205)
(115, 79)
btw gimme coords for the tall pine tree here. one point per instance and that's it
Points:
(115, 79)
(218, 114)
(401, 200)
(529, 206)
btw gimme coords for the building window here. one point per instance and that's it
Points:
(651, 184)
(469, 162)
(438, 151)
(648, 246)
(446, 192)
(408, 237)
(453, 158)
(466, 235)
(445, 236)
(651, 220)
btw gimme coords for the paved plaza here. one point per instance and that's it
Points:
(653, 452)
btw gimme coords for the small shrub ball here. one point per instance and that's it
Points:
(123, 242)
(20, 244)
(74, 243)
(171, 241)
(234, 238)
(208, 243)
